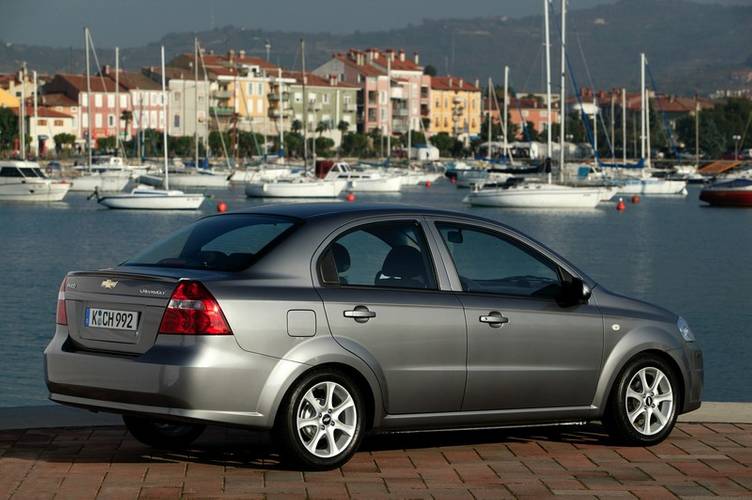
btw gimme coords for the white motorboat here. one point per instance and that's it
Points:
(263, 173)
(651, 185)
(147, 197)
(300, 187)
(364, 180)
(205, 178)
(535, 195)
(25, 181)
(106, 174)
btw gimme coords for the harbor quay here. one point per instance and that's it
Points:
(76, 454)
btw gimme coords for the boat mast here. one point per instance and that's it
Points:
(22, 113)
(563, 98)
(388, 126)
(506, 114)
(88, 97)
(697, 132)
(613, 127)
(595, 130)
(305, 107)
(647, 129)
(281, 113)
(117, 100)
(195, 100)
(624, 124)
(490, 123)
(410, 118)
(642, 106)
(36, 116)
(164, 128)
(549, 145)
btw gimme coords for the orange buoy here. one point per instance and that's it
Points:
(350, 197)
(221, 207)
(635, 199)
(428, 184)
(620, 206)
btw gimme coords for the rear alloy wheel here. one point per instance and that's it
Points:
(642, 409)
(162, 434)
(321, 426)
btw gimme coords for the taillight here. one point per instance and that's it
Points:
(193, 311)
(61, 317)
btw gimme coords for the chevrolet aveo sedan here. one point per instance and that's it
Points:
(323, 322)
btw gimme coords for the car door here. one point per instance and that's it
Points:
(524, 349)
(383, 303)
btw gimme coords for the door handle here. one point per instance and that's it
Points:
(360, 314)
(494, 319)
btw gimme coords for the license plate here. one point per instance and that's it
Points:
(108, 318)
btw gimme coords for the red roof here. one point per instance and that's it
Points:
(57, 99)
(315, 80)
(452, 83)
(98, 83)
(364, 69)
(43, 112)
(133, 80)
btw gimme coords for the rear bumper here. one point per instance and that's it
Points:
(209, 379)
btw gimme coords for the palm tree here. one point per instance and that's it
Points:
(296, 126)
(127, 117)
(343, 127)
(323, 126)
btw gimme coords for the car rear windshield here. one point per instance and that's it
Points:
(224, 243)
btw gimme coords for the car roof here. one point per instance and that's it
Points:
(335, 209)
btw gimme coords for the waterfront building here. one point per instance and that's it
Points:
(8, 100)
(17, 85)
(393, 92)
(330, 102)
(43, 125)
(455, 107)
(140, 104)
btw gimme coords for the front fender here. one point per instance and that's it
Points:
(626, 347)
(303, 357)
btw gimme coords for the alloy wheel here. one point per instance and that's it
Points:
(649, 401)
(326, 419)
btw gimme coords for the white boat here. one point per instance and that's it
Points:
(200, 178)
(263, 173)
(364, 180)
(302, 187)
(106, 174)
(535, 195)
(149, 198)
(25, 181)
(653, 185)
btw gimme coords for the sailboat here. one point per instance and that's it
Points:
(305, 186)
(646, 184)
(147, 198)
(544, 195)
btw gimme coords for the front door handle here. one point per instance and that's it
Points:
(360, 314)
(494, 319)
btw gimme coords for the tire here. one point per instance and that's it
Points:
(161, 433)
(319, 436)
(641, 412)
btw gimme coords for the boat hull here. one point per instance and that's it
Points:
(108, 182)
(316, 189)
(535, 197)
(132, 202)
(181, 181)
(727, 197)
(44, 191)
(377, 185)
(654, 186)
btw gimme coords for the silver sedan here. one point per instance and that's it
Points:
(326, 321)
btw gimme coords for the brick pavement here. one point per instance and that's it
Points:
(698, 460)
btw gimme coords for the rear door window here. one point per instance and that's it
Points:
(225, 243)
(385, 254)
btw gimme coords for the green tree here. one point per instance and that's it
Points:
(63, 141)
(296, 126)
(152, 142)
(355, 144)
(447, 145)
(324, 147)
(8, 129)
(323, 126)
(106, 144)
(180, 146)
(430, 70)
(215, 142)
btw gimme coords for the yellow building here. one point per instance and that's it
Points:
(8, 100)
(455, 107)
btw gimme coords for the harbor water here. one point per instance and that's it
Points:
(672, 251)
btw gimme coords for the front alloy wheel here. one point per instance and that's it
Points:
(642, 408)
(321, 426)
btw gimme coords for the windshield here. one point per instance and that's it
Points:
(226, 243)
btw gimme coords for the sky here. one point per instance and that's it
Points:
(132, 23)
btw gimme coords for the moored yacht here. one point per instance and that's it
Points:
(25, 181)
(729, 193)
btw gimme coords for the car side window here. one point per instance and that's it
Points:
(383, 254)
(489, 262)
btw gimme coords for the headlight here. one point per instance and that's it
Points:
(684, 329)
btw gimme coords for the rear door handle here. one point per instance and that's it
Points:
(361, 314)
(494, 319)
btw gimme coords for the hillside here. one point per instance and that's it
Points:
(691, 47)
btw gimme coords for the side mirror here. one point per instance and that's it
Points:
(573, 293)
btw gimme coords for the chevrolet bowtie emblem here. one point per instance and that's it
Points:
(108, 284)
